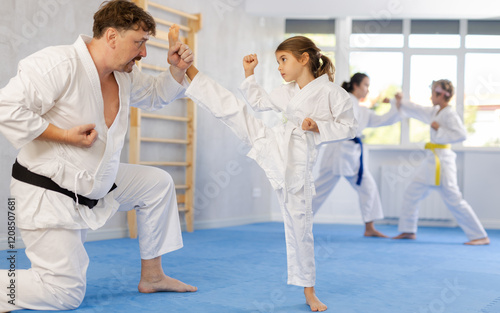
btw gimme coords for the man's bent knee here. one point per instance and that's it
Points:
(70, 298)
(162, 181)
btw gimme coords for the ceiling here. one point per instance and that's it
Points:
(376, 9)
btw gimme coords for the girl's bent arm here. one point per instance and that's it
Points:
(343, 124)
(257, 97)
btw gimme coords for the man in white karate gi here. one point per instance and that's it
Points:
(67, 111)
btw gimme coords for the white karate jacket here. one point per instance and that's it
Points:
(60, 85)
(343, 157)
(451, 130)
(321, 100)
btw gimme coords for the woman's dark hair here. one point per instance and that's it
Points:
(319, 64)
(356, 79)
(122, 15)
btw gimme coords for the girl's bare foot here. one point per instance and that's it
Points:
(313, 301)
(173, 34)
(405, 236)
(479, 242)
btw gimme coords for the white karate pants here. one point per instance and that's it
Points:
(452, 197)
(299, 239)
(57, 277)
(298, 223)
(369, 199)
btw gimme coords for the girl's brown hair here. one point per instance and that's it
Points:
(319, 64)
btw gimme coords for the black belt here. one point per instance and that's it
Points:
(21, 173)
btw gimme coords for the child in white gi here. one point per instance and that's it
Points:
(315, 111)
(438, 170)
(345, 158)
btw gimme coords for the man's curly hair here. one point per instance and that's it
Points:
(122, 15)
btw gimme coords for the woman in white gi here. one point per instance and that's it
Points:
(67, 111)
(314, 111)
(345, 158)
(438, 170)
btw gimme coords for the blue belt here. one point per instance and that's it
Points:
(360, 172)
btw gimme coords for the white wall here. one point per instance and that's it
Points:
(225, 177)
(481, 184)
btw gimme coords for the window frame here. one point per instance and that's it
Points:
(408, 52)
(342, 50)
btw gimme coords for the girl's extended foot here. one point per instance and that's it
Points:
(173, 34)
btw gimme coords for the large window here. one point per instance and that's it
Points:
(407, 55)
(465, 52)
(373, 44)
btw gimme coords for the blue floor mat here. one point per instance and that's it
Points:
(243, 269)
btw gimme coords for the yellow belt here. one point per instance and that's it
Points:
(432, 146)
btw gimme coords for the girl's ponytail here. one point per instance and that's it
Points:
(326, 67)
(356, 79)
(347, 86)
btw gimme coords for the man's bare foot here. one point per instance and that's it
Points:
(154, 280)
(370, 231)
(479, 242)
(405, 236)
(164, 283)
(313, 301)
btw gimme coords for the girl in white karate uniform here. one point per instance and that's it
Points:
(314, 111)
(345, 158)
(438, 170)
